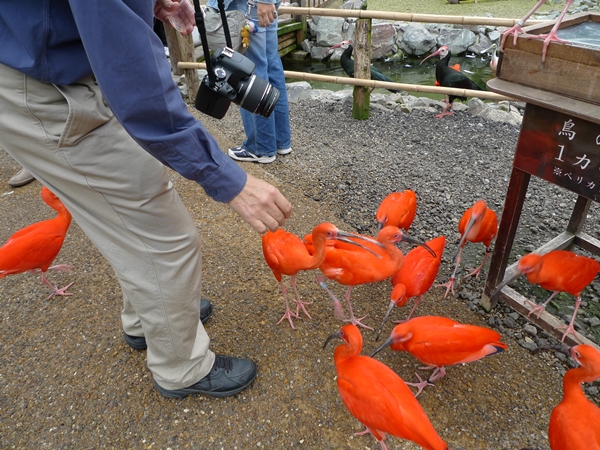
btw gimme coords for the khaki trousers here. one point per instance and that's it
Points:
(123, 200)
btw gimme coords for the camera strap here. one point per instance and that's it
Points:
(199, 16)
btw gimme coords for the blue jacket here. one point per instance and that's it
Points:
(62, 41)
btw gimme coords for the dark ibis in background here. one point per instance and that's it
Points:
(347, 63)
(448, 77)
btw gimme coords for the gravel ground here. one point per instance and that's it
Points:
(68, 380)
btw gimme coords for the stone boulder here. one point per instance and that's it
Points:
(414, 39)
(383, 40)
(326, 30)
(458, 40)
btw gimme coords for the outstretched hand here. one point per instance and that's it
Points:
(179, 14)
(261, 205)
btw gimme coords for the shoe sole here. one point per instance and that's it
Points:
(285, 151)
(263, 161)
(231, 153)
(183, 393)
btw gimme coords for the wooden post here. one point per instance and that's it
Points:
(362, 68)
(174, 50)
(181, 49)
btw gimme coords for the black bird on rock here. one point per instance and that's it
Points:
(347, 63)
(449, 77)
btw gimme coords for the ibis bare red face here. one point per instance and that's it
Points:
(442, 52)
(343, 45)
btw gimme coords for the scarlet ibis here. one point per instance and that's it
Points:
(352, 266)
(478, 224)
(347, 63)
(548, 38)
(416, 275)
(448, 77)
(558, 271)
(575, 421)
(439, 341)
(397, 209)
(378, 397)
(33, 248)
(286, 254)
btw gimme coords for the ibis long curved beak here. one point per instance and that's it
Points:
(463, 238)
(390, 307)
(333, 47)
(386, 343)
(501, 286)
(407, 238)
(556, 348)
(430, 56)
(337, 334)
(345, 237)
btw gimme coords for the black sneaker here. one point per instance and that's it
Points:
(228, 376)
(139, 342)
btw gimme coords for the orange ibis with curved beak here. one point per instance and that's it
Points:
(575, 421)
(353, 266)
(378, 397)
(448, 77)
(33, 248)
(397, 209)
(558, 271)
(478, 224)
(286, 254)
(439, 342)
(416, 276)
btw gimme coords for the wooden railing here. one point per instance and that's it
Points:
(291, 34)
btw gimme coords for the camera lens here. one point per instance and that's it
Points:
(257, 96)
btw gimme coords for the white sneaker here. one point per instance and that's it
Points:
(240, 154)
(284, 151)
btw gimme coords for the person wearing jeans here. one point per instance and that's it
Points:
(266, 137)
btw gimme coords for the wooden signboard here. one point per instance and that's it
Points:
(562, 149)
(559, 142)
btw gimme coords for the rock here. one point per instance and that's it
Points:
(383, 40)
(327, 31)
(415, 40)
(294, 90)
(528, 345)
(593, 321)
(457, 39)
(509, 322)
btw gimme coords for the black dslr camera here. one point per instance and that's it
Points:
(234, 81)
(230, 78)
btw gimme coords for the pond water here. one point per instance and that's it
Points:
(406, 70)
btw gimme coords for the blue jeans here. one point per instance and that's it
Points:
(264, 136)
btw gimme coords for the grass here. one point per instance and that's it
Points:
(507, 9)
